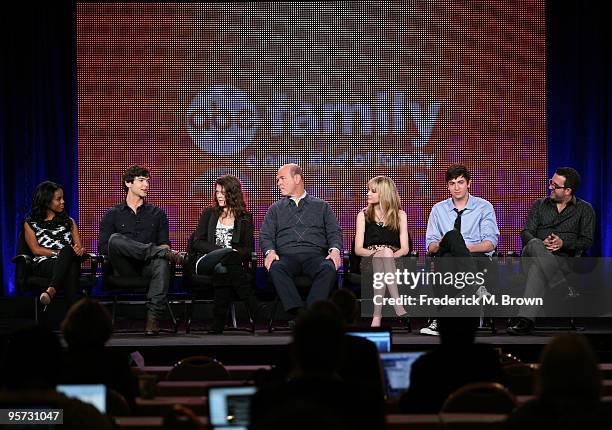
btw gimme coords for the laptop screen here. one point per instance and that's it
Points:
(396, 368)
(93, 394)
(229, 407)
(382, 339)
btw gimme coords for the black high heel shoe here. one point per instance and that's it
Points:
(46, 297)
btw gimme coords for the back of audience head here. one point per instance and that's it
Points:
(181, 418)
(318, 339)
(32, 359)
(458, 330)
(87, 325)
(569, 371)
(346, 302)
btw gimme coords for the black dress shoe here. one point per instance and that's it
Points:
(521, 327)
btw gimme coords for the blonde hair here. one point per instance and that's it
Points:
(389, 201)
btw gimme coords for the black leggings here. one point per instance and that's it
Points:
(64, 272)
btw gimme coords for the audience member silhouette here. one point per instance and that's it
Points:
(360, 361)
(568, 390)
(346, 301)
(86, 329)
(455, 362)
(29, 374)
(315, 396)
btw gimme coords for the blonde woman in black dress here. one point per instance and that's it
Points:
(382, 231)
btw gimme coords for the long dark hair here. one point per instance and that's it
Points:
(234, 197)
(42, 198)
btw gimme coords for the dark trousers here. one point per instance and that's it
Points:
(131, 258)
(315, 265)
(229, 278)
(456, 257)
(64, 272)
(544, 271)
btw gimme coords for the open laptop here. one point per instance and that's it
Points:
(380, 337)
(229, 407)
(93, 394)
(396, 368)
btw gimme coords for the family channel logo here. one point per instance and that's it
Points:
(222, 120)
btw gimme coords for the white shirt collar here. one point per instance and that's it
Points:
(297, 199)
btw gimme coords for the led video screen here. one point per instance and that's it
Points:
(349, 90)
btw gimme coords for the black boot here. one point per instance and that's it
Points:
(222, 302)
(259, 311)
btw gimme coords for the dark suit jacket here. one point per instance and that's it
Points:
(203, 239)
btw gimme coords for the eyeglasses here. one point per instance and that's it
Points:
(555, 186)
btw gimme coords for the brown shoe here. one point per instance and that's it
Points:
(152, 328)
(175, 256)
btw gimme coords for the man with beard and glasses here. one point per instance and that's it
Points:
(558, 226)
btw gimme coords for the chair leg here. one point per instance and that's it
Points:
(272, 315)
(409, 325)
(172, 317)
(114, 311)
(233, 314)
(36, 309)
(188, 315)
(251, 317)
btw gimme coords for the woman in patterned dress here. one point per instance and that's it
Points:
(53, 238)
(221, 244)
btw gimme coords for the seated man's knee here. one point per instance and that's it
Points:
(277, 267)
(532, 245)
(328, 267)
(535, 242)
(453, 235)
(160, 266)
(114, 239)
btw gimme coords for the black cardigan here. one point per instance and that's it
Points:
(202, 241)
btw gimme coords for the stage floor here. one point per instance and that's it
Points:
(263, 338)
(241, 347)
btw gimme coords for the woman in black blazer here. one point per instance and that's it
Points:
(221, 244)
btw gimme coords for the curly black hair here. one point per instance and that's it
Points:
(132, 173)
(42, 198)
(234, 197)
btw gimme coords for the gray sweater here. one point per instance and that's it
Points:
(289, 229)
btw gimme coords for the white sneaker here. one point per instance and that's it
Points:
(431, 329)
